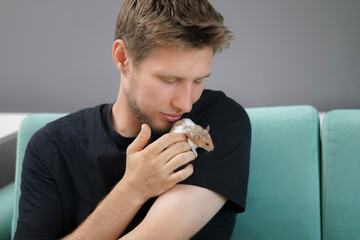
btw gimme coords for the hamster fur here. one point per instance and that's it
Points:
(197, 136)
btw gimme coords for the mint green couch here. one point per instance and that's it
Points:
(341, 175)
(284, 184)
(283, 200)
(6, 210)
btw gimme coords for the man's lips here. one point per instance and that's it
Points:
(171, 117)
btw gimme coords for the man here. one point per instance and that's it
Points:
(113, 170)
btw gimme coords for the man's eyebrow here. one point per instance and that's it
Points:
(167, 76)
(174, 77)
(170, 76)
(206, 76)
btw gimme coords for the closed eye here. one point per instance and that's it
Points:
(199, 81)
(169, 80)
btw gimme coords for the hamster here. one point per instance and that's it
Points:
(197, 136)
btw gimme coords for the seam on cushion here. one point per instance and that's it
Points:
(316, 154)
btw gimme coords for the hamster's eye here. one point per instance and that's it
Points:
(206, 144)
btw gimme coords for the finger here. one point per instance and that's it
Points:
(173, 150)
(166, 141)
(141, 140)
(180, 160)
(182, 174)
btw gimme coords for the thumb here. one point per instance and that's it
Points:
(141, 140)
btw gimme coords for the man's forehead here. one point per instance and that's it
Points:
(174, 63)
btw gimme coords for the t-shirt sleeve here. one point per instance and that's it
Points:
(40, 209)
(225, 170)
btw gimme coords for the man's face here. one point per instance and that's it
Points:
(166, 84)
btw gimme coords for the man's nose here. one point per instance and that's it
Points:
(183, 98)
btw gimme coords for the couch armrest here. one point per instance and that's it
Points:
(6, 210)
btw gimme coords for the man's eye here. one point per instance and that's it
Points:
(199, 81)
(170, 81)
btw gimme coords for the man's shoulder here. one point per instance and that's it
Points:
(218, 103)
(81, 118)
(76, 123)
(222, 114)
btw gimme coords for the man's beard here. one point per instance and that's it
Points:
(141, 117)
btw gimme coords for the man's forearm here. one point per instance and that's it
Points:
(111, 217)
(178, 214)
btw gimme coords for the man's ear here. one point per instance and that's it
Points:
(120, 55)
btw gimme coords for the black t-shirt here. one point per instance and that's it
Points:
(71, 164)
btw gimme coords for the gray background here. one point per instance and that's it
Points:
(55, 56)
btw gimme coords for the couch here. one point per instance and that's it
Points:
(302, 182)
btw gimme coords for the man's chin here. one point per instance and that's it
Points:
(160, 130)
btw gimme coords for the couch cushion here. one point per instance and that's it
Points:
(283, 200)
(341, 175)
(6, 207)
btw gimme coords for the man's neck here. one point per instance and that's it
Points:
(122, 119)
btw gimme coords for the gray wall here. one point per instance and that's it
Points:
(55, 56)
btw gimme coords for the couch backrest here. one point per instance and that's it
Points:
(27, 128)
(283, 200)
(341, 175)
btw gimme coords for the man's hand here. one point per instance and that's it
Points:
(150, 170)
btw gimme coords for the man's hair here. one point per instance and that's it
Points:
(146, 24)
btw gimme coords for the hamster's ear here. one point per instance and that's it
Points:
(197, 137)
(207, 129)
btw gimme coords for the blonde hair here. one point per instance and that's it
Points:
(147, 24)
